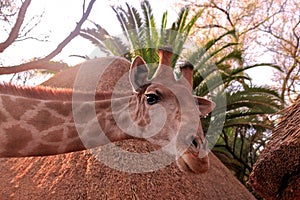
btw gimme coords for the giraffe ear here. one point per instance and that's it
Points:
(205, 106)
(138, 74)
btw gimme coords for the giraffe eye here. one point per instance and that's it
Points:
(152, 99)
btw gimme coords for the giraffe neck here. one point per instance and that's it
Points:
(40, 126)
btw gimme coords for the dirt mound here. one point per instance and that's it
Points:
(79, 175)
(276, 174)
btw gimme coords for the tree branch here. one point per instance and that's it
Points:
(45, 63)
(285, 86)
(73, 34)
(37, 64)
(15, 30)
(214, 5)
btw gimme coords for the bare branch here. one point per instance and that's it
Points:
(37, 64)
(73, 34)
(32, 38)
(29, 27)
(45, 63)
(214, 5)
(210, 26)
(15, 30)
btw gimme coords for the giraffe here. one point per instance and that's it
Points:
(39, 121)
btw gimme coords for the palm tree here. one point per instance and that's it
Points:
(141, 35)
(242, 116)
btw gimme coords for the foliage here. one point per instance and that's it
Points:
(267, 31)
(6, 10)
(249, 109)
(142, 36)
(283, 44)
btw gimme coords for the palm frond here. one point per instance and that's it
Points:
(212, 42)
(191, 23)
(234, 55)
(164, 21)
(181, 20)
(248, 122)
(150, 34)
(102, 39)
(121, 18)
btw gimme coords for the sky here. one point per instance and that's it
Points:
(59, 19)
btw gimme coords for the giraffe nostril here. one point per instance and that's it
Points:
(195, 143)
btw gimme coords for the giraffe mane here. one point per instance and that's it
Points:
(48, 93)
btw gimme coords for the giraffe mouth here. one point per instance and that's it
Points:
(191, 163)
(184, 166)
(188, 169)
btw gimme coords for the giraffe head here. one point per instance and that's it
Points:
(161, 110)
(168, 106)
